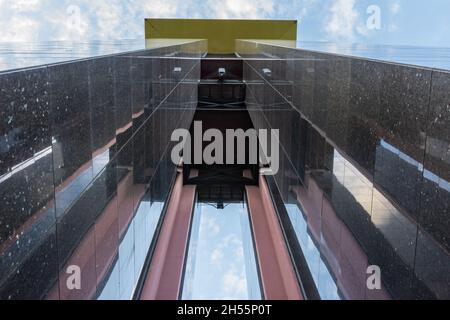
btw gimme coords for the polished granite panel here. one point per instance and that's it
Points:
(404, 106)
(102, 106)
(282, 74)
(156, 96)
(141, 173)
(361, 142)
(339, 106)
(363, 111)
(157, 127)
(71, 121)
(300, 127)
(107, 244)
(321, 92)
(28, 256)
(165, 73)
(303, 97)
(341, 228)
(84, 134)
(25, 116)
(26, 194)
(137, 72)
(81, 216)
(400, 176)
(25, 148)
(29, 266)
(435, 195)
(373, 189)
(122, 93)
(432, 265)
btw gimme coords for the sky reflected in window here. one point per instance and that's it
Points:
(221, 262)
(326, 285)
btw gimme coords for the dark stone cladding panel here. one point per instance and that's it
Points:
(404, 107)
(377, 104)
(81, 216)
(53, 121)
(392, 122)
(122, 91)
(24, 132)
(71, 120)
(24, 116)
(101, 101)
(364, 107)
(435, 195)
(403, 116)
(28, 256)
(304, 83)
(339, 106)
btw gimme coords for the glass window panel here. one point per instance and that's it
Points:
(221, 263)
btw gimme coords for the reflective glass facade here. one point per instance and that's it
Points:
(86, 169)
(87, 183)
(364, 168)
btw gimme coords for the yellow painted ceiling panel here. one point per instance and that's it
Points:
(221, 34)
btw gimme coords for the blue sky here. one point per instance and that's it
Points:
(221, 262)
(403, 22)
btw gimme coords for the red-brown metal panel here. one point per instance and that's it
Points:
(277, 273)
(165, 274)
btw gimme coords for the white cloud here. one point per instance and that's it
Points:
(234, 9)
(209, 226)
(42, 20)
(234, 283)
(217, 256)
(393, 27)
(239, 252)
(342, 21)
(21, 30)
(18, 20)
(63, 22)
(162, 8)
(306, 5)
(25, 5)
(395, 8)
